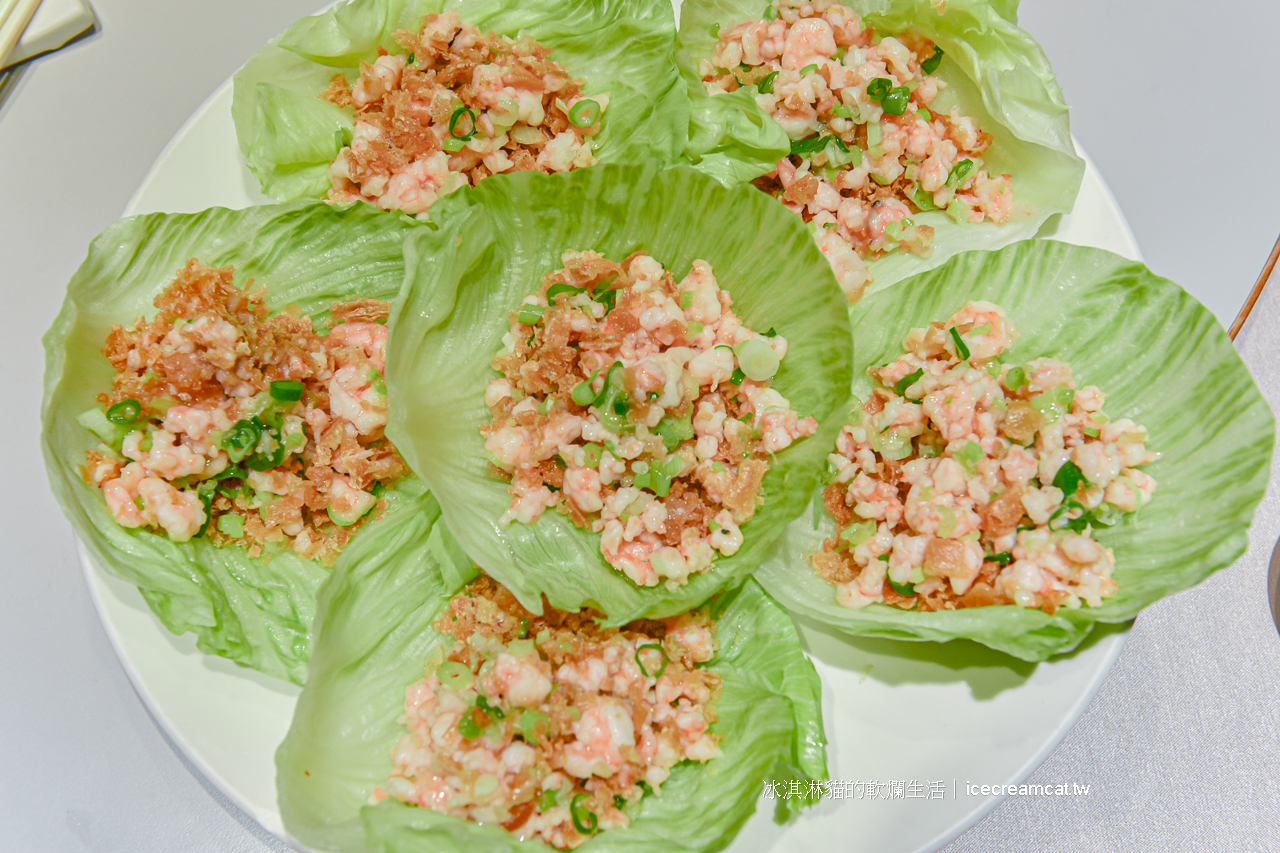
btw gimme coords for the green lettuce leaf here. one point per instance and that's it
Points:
(1161, 359)
(624, 47)
(255, 612)
(497, 241)
(374, 633)
(995, 72)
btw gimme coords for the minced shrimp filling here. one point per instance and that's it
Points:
(966, 481)
(549, 725)
(228, 423)
(456, 107)
(867, 150)
(640, 408)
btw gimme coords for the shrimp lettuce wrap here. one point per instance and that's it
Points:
(142, 503)
(375, 630)
(635, 106)
(1161, 360)
(996, 86)
(472, 302)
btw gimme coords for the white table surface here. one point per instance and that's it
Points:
(1177, 105)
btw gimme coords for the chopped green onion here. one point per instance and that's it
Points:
(925, 114)
(546, 800)
(619, 801)
(560, 287)
(286, 390)
(657, 478)
(895, 103)
(958, 173)
(584, 113)
(456, 117)
(931, 64)
(905, 590)
(232, 525)
(125, 412)
(969, 455)
(878, 88)
(947, 522)
(758, 361)
(737, 377)
(1070, 478)
(584, 820)
(1015, 378)
(674, 431)
(533, 725)
(640, 663)
(1001, 557)
(814, 144)
(454, 675)
(582, 393)
(855, 534)
(591, 455)
(900, 388)
(523, 630)
(808, 69)
(686, 300)
(242, 438)
(483, 704)
(1052, 404)
(453, 146)
(962, 349)
(842, 111)
(606, 297)
(531, 314)
(261, 461)
(766, 85)
(468, 727)
(695, 328)
(613, 402)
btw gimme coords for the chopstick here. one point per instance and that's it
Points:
(1256, 292)
(14, 17)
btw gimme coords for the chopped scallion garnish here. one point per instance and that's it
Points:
(657, 647)
(560, 287)
(125, 412)
(958, 173)
(454, 675)
(878, 88)
(766, 85)
(584, 820)
(457, 117)
(584, 113)
(962, 349)
(531, 314)
(931, 64)
(1070, 479)
(286, 390)
(905, 590)
(900, 388)
(895, 102)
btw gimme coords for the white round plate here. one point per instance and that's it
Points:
(911, 725)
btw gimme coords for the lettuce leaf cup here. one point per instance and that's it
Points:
(1161, 358)
(995, 72)
(374, 633)
(465, 279)
(289, 135)
(256, 611)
